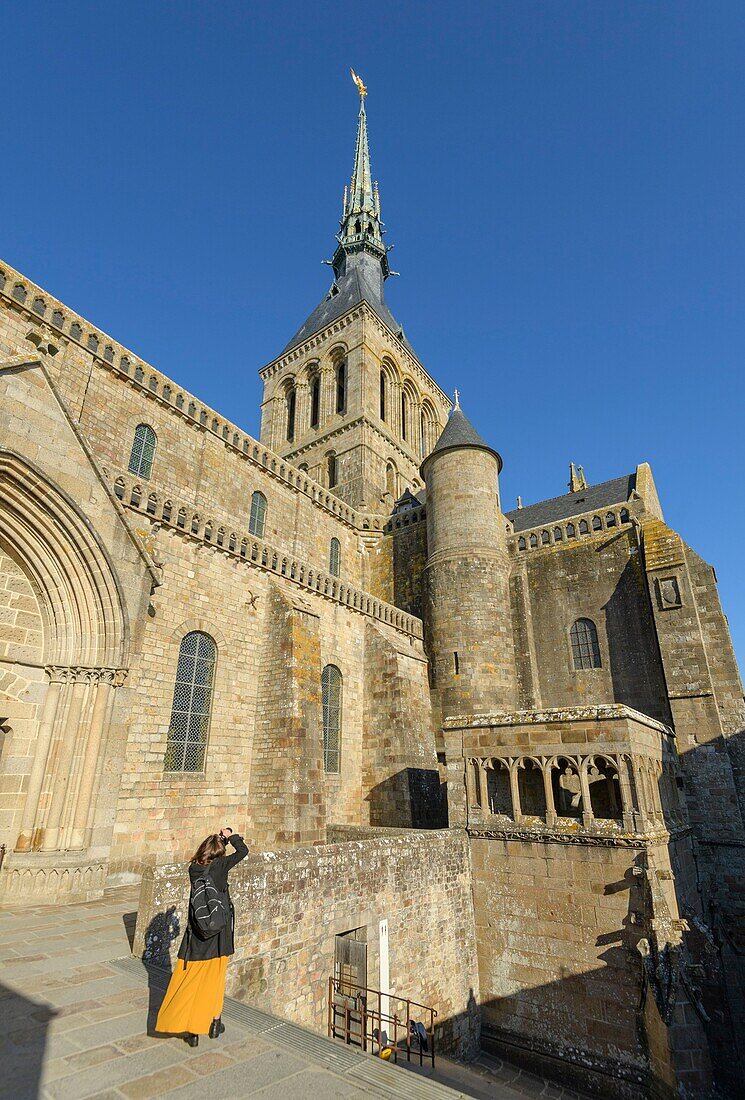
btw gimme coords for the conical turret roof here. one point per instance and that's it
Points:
(459, 432)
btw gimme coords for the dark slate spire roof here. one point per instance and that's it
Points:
(360, 261)
(459, 432)
(362, 281)
(591, 499)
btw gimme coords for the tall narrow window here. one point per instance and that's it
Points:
(331, 705)
(192, 704)
(382, 395)
(341, 387)
(290, 400)
(315, 400)
(585, 647)
(390, 479)
(331, 469)
(335, 558)
(258, 515)
(404, 414)
(143, 451)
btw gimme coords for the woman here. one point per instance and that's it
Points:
(195, 994)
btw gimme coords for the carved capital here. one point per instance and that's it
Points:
(82, 674)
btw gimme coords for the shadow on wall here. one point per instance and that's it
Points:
(413, 798)
(668, 987)
(633, 658)
(713, 950)
(25, 1026)
(602, 1030)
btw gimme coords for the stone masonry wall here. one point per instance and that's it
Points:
(291, 904)
(600, 579)
(558, 969)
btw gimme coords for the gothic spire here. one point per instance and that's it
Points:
(361, 229)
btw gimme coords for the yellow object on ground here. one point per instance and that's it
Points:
(194, 996)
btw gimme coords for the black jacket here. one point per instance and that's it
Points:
(193, 948)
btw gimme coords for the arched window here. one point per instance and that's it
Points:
(258, 515)
(39, 306)
(341, 386)
(534, 540)
(624, 515)
(545, 538)
(304, 467)
(315, 400)
(331, 704)
(192, 704)
(521, 543)
(143, 451)
(290, 402)
(570, 531)
(404, 413)
(558, 534)
(610, 519)
(382, 395)
(331, 469)
(583, 528)
(335, 558)
(597, 523)
(585, 647)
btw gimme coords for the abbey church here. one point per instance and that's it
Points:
(501, 751)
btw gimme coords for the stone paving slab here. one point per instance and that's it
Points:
(74, 1006)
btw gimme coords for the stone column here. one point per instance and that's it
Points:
(38, 768)
(483, 788)
(328, 394)
(627, 801)
(415, 429)
(302, 409)
(79, 690)
(517, 812)
(548, 792)
(587, 814)
(108, 680)
(394, 418)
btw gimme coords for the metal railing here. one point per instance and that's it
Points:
(381, 1023)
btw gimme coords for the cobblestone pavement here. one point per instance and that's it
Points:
(75, 1008)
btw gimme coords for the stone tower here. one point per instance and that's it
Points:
(348, 399)
(468, 625)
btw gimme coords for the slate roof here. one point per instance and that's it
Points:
(361, 282)
(592, 499)
(458, 432)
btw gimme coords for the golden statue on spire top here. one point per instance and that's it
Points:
(360, 86)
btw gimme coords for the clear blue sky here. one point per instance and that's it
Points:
(563, 183)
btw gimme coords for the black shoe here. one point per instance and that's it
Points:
(216, 1028)
(192, 1040)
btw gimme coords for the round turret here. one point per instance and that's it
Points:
(467, 617)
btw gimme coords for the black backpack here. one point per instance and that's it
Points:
(209, 907)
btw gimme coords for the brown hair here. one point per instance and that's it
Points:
(210, 848)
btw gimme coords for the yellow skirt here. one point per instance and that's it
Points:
(194, 996)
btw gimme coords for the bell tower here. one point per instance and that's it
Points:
(348, 399)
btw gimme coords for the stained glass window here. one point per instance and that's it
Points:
(585, 647)
(331, 703)
(143, 451)
(192, 704)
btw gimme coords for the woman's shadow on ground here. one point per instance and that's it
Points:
(162, 931)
